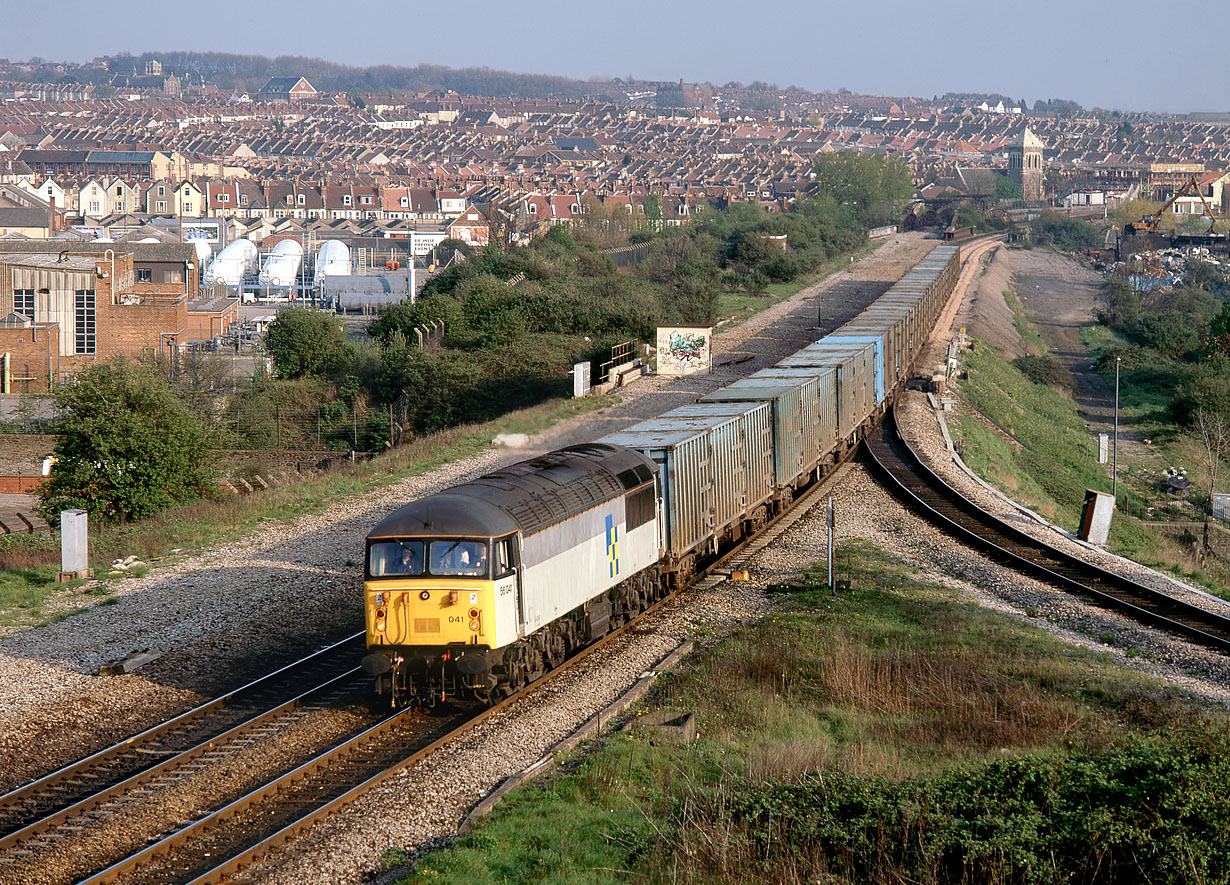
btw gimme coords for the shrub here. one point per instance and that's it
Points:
(1149, 811)
(1043, 369)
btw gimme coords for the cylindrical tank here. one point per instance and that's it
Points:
(282, 265)
(332, 260)
(232, 263)
(203, 252)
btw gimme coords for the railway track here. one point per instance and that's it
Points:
(53, 816)
(60, 789)
(216, 845)
(892, 459)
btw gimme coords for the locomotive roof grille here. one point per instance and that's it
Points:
(529, 495)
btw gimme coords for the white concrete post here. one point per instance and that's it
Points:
(74, 545)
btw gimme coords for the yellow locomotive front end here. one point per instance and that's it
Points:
(430, 606)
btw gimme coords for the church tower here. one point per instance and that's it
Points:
(1025, 164)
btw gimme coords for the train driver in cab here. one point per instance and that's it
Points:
(411, 562)
(460, 558)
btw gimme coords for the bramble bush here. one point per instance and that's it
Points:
(1147, 811)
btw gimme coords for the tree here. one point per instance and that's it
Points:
(877, 188)
(1167, 332)
(1206, 386)
(1007, 189)
(128, 446)
(1218, 339)
(306, 343)
(1119, 303)
(1211, 427)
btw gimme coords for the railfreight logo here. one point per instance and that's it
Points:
(612, 545)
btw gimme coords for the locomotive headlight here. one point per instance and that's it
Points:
(425, 595)
(474, 625)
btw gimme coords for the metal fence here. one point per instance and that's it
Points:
(621, 354)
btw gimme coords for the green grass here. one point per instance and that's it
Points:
(837, 728)
(1033, 341)
(1144, 394)
(1051, 458)
(29, 563)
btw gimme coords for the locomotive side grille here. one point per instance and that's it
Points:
(426, 625)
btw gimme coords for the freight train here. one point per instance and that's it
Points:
(478, 590)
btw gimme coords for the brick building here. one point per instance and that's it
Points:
(62, 310)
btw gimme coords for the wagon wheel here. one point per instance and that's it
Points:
(687, 567)
(760, 518)
(631, 599)
(786, 500)
(556, 649)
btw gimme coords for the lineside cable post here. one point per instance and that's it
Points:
(830, 523)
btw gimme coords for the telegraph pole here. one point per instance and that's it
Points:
(1114, 464)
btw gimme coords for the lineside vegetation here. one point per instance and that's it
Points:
(895, 733)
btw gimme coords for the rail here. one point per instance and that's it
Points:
(893, 459)
(38, 801)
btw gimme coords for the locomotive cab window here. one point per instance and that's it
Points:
(503, 558)
(458, 557)
(395, 558)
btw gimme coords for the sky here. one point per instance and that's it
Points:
(1130, 55)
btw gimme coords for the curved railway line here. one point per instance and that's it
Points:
(923, 491)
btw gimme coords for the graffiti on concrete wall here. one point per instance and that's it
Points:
(684, 350)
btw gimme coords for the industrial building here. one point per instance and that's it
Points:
(65, 307)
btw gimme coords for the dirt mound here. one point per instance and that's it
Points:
(984, 313)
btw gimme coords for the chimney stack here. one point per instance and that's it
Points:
(51, 212)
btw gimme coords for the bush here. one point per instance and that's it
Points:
(1043, 369)
(127, 448)
(1149, 811)
(306, 343)
(1065, 234)
(1168, 332)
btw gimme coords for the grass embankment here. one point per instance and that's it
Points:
(1029, 441)
(29, 594)
(898, 733)
(1145, 393)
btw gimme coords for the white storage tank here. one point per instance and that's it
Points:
(282, 265)
(204, 253)
(232, 264)
(332, 260)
